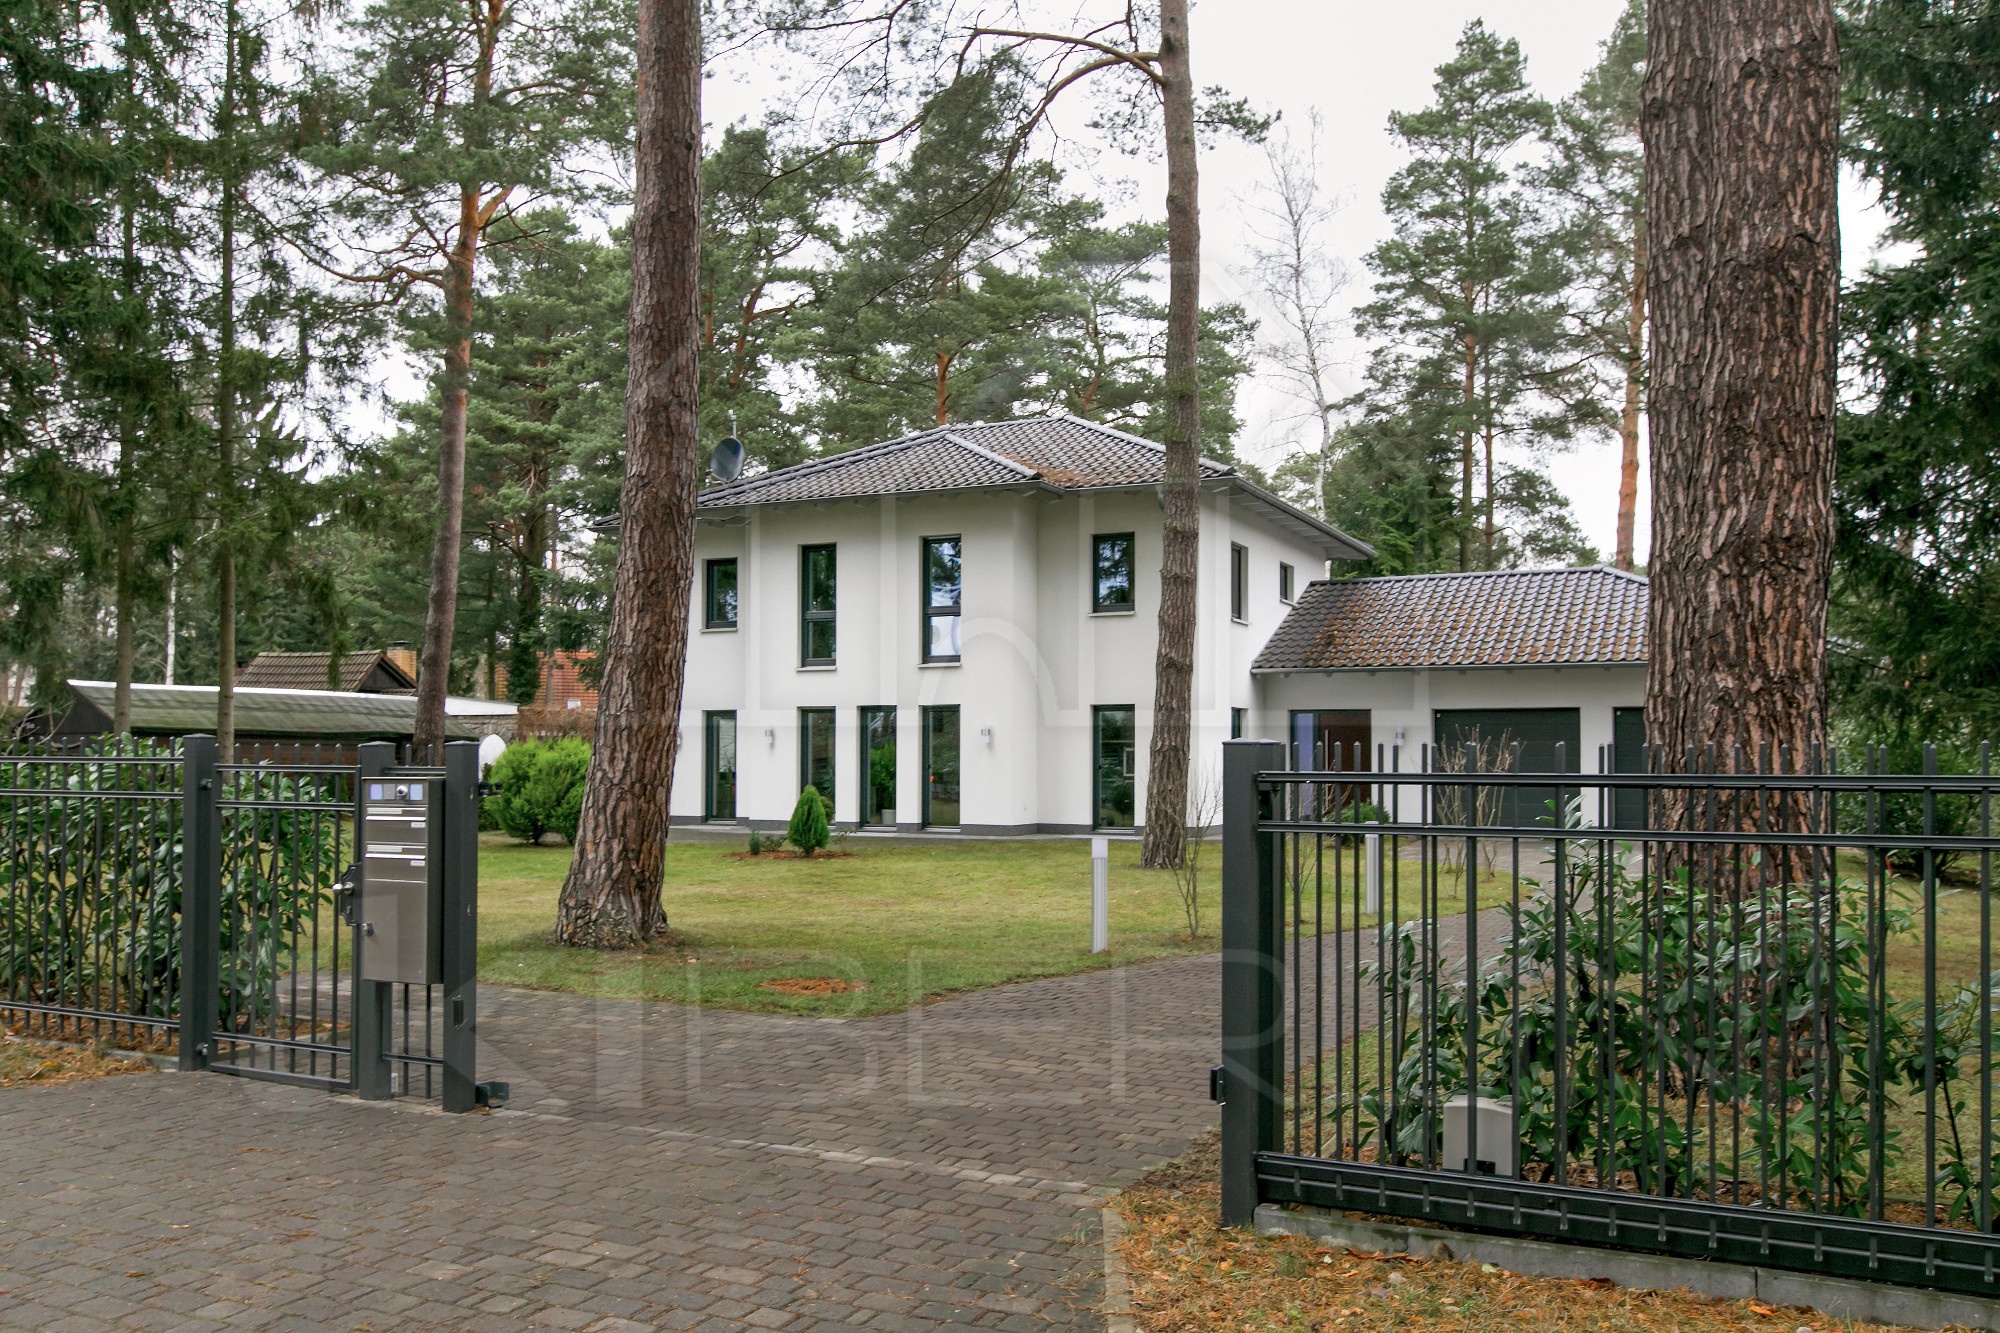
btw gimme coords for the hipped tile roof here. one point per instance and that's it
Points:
(1060, 452)
(1525, 617)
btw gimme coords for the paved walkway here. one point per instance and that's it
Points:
(659, 1167)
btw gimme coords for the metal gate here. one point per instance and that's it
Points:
(1743, 1012)
(154, 897)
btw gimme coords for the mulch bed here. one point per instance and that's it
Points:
(1188, 1274)
(811, 986)
(789, 855)
(24, 1061)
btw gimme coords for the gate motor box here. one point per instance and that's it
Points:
(402, 880)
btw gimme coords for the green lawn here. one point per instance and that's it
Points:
(896, 922)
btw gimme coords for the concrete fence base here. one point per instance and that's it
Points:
(1843, 1298)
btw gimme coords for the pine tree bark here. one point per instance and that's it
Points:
(1628, 424)
(1173, 667)
(1740, 127)
(225, 406)
(612, 894)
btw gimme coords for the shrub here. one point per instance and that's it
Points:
(756, 843)
(808, 830)
(541, 788)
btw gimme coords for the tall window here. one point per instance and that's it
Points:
(816, 752)
(941, 766)
(1239, 722)
(943, 577)
(1114, 770)
(719, 594)
(1284, 582)
(1111, 574)
(816, 598)
(719, 795)
(1239, 582)
(878, 766)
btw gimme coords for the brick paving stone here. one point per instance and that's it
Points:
(659, 1167)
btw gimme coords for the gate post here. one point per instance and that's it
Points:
(461, 925)
(201, 899)
(1253, 979)
(370, 1074)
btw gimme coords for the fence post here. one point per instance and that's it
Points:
(201, 899)
(461, 925)
(371, 998)
(1253, 983)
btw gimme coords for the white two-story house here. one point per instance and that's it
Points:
(957, 630)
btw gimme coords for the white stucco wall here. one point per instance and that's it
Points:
(1035, 660)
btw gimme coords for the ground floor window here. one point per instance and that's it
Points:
(816, 753)
(719, 798)
(878, 766)
(1239, 723)
(941, 766)
(1115, 766)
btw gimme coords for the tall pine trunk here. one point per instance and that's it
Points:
(434, 663)
(225, 405)
(1173, 666)
(612, 894)
(123, 528)
(1741, 121)
(1628, 424)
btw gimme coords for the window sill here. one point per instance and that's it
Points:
(821, 666)
(1128, 611)
(1238, 620)
(933, 666)
(719, 629)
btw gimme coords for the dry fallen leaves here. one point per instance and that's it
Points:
(1189, 1274)
(23, 1061)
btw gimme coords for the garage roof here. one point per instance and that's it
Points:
(1503, 618)
(174, 710)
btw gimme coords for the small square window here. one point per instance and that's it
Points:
(1284, 583)
(719, 594)
(1112, 584)
(1239, 582)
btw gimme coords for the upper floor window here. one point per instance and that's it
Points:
(816, 600)
(719, 594)
(1284, 582)
(944, 570)
(1239, 582)
(1111, 572)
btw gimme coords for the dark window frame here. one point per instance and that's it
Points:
(926, 717)
(808, 617)
(1239, 583)
(1239, 723)
(1130, 769)
(831, 716)
(869, 812)
(708, 616)
(1288, 583)
(926, 613)
(1098, 606)
(709, 721)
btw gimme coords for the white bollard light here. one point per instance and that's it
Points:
(1100, 895)
(1371, 874)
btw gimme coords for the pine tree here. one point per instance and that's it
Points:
(1472, 347)
(1596, 178)
(436, 120)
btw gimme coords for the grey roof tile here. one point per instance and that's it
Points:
(1529, 617)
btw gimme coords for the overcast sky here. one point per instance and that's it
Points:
(1354, 61)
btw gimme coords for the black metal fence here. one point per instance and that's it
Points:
(152, 897)
(1744, 1013)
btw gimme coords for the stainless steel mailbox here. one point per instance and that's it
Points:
(402, 885)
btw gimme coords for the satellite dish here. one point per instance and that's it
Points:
(726, 462)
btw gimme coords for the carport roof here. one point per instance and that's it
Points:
(1505, 618)
(292, 714)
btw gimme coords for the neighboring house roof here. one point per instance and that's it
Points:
(562, 683)
(174, 710)
(1507, 618)
(370, 672)
(1058, 452)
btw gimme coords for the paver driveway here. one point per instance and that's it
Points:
(659, 1167)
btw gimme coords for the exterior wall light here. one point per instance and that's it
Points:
(986, 734)
(770, 736)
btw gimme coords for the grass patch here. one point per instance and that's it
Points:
(25, 1061)
(1188, 1273)
(891, 925)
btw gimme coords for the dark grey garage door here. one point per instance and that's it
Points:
(1540, 732)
